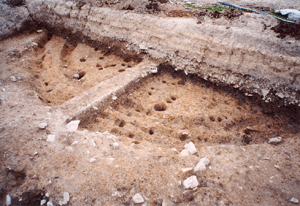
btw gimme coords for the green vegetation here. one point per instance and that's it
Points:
(79, 5)
(192, 6)
(279, 16)
(217, 8)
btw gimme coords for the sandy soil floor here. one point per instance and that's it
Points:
(135, 143)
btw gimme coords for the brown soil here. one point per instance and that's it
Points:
(167, 104)
(285, 29)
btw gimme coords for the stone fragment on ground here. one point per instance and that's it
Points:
(13, 79)
(66, 199)
(137, 198)
(8, 200)
(190, 148)
(167, 202)
(73, 125)
(184, 152)
(115, 145)
(49, 204)
(203, 162)
(275, 140)
(190, 182)
(43, 202)
(294, 200)
(50, 138)
(42, 125)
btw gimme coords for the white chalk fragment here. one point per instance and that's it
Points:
(42, 125)
(66, 196)
(43, 202)
(115, 145)
(294, 200)
(8, 200)
(184, 152)
(35, 44)
(137, 198)
(39, 31)
(191, 148)
(50, 138)
(49, 204)
(203, 162)
(92, 160)
(13, 79)
(186, 169)
(275, 140)
(190, 182)
(73, 125)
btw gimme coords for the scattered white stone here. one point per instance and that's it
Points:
(184, 152)
(265, 92)
(66, 199)
(43, 125)
(277, 167)
(73, 125)
(294, 200)
(75, 142)
(154, 70)
(35, 153)
(13, 79)
(43, 201)
(50, 138)
(114, 97)
(47, 194)
(115, 145)
(191, 148)
(8, 200)
(190, 182)
(3, 89)
(200, 167)
(174, 150)
(275, 140)
(186, 169)
(167, 202)
(49, 204)
(76, 76)
(35, 44)
(92, 160)
(39, 31)
(137, 198)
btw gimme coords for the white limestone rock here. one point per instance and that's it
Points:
(191, 148)
(275, 140)
(42, 125)
(184, 153)
(190, 182)
(137, 198)
(201, 166)
(73, 125)
(294, 200)
(50, 138)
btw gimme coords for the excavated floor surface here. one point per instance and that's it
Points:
(41, 72)
(172, 108)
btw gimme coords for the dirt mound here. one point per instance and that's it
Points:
(287, 29)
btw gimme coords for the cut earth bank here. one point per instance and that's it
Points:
(113, 69)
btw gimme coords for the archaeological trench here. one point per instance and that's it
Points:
(147, 103)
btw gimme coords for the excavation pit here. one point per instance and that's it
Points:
(61, 68)
(171, 109)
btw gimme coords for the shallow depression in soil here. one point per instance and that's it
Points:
(60, 70)
(170, 109)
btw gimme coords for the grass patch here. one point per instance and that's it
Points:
(279, 16)
(192, 6)
(217, 8)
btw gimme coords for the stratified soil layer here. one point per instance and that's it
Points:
(171, 109)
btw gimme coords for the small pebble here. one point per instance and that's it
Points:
(294, 200)
(13, 79)
(137, 198)
(43, 201)
(184, 152)
(190, 182)
(50, 138)
(92, 160)
(275, 140)
(73, 125)
(8, 200)
(39, 31)
(76, 76)
(115, 145)
(42, 125)
(191, 148)
(35, 44)
(49, 204)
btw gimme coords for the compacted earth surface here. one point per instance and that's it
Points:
(167, 138)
